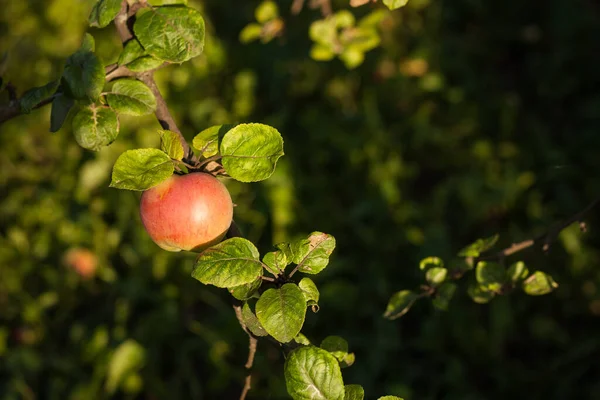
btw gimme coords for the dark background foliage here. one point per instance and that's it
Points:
(471, 118)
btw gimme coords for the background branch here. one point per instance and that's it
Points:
(545, 239)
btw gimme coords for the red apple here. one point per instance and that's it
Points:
(187, 212)
(82, 261)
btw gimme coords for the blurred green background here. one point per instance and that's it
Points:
(472, 118)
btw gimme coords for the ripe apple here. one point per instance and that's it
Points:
(187, 212)
(82, 261)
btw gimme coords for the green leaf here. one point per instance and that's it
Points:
(393, 5)
(144, 64)
(250, 152)
(336, 345)
(344, 19)
(443, 295)
(266, 11)
(84, 75)
(310, 292)
(312, 254)
(286, 248)
(539, 283)
(173, 34)
(32, 97)
(431, 262)
(132, 51)
(354, 392)
(127, 358)
(480, 294)
(61, 105)
(479, 246)
(131, 97)
(245, 291)
(250, 32)
(436, 275)
(170, 144)
(400, 303)
(348, 360)
(281, 311)
(352, 57)
(88, 44)
(490, 275)
(252, 322)
(207, 141)
(301, 339)
(517, 272)
(104, 12)
(95, 127)
(390, 397)
(324, 32)
(141, 169)
(373, 19)
(275, 261)
(312, 373)
(230, 263)
(320, 52)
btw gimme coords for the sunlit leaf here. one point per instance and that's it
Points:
(250, 32)
(490, 275)
(480, 294)
(173, 33)
(310, 292)
(170, 144)
(430, 262)
(354, 392)
(336, 345)
(281, 311)
(276, 261)
(207, 141)
(517, 272)
(539, 283)
(266, 11)
(479, 246)
(95, 127)
(312, 254)
(400, 303)
(127, 358)
(131, 97)
(301, 339)
(312, 373)
(231, 263)
(395, 4)
(103, 12)
(250, 152)
(141, 169)
(436, 275)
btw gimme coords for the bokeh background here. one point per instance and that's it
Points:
(472, 118)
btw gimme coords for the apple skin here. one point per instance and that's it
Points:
(82, 261)
(187, 212)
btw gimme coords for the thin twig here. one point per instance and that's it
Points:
(325, 6)
(545, 239)
(208, 160)
(252, 342)
(297, 6)
(165, 119)
(121, 23)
